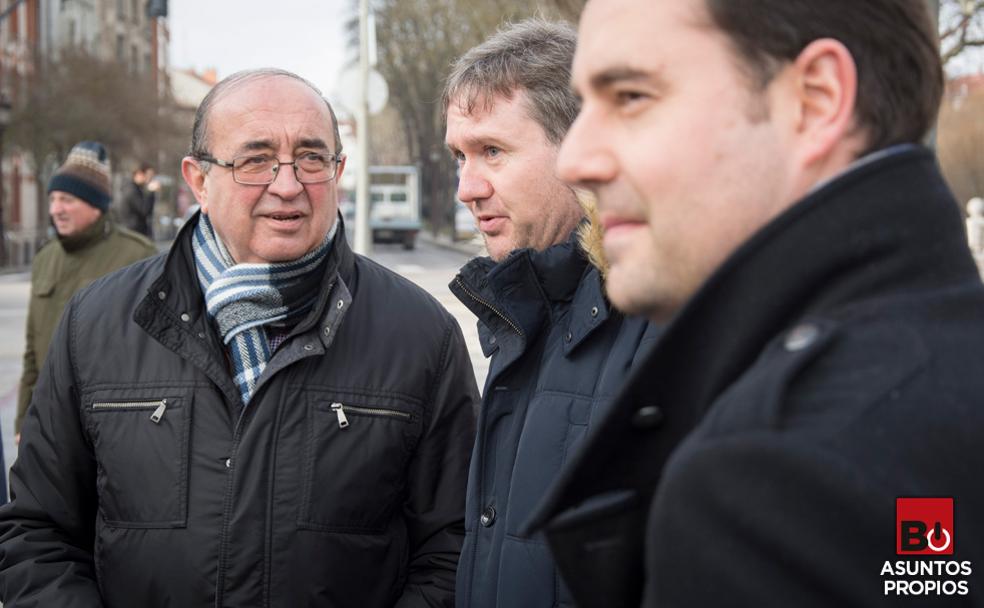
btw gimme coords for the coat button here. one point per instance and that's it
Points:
(800, 337)
(309, 347)
(340, 304)
(327, 330)
(647, 417)
(228, 463)
(161, 295)
(488, 516)
(185, 317)
(594, 311)
(568, 337)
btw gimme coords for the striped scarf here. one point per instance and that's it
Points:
(243, 298)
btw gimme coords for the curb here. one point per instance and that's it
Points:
(472, 248)
(5, 270)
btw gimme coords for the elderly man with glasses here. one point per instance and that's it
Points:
(259, 417)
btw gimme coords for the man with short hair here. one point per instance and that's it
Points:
(762, 188)
(89, 244)
(260, 418)
(558, 352)
(138, 201)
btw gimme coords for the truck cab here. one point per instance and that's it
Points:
(394, 205)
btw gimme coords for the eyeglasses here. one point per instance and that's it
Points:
(262, 169)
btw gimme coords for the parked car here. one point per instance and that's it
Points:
(465, 226)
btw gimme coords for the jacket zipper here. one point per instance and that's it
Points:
(498, 313)
(158, 406)
(237, 430)
(343, 422)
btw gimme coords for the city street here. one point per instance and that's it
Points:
(429, 266)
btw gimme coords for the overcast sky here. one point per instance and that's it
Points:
(303, 36)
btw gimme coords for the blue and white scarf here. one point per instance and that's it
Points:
(243, 298)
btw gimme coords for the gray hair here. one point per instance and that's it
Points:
(534, 56)
(199, 133)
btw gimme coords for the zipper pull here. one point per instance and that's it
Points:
(159, 412)
(340, 410)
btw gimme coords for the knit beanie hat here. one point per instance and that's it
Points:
(85, 175)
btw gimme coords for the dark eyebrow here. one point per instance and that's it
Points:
(313, 142)
(611, 76)
(256, 144)
(478, 141)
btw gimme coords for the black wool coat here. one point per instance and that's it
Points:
(830, 366)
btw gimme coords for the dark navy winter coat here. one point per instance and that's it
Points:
(559, 355)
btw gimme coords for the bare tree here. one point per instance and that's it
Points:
(81, 97)
(417, 41)
(961, 27)
(961, 139)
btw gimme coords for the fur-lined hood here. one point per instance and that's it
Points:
(589, 233)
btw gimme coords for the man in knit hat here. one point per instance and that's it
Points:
(88, 246)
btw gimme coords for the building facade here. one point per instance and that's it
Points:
(130, 34)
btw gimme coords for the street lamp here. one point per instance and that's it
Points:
(5, 108)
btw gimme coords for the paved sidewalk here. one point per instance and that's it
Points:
(473, 247)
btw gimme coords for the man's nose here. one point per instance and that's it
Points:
(472, 185)
(585, 159)
(285, 184)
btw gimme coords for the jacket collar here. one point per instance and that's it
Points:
(174, 313)
(518, 295)
(886, 227)
(179, 282)
(96, 232)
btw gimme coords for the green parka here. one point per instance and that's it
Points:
(61, 268)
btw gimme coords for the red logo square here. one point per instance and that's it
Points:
(924, 526)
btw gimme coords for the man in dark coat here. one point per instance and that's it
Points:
(259, 418)
(558, 352)
(138, 201)
(807, 431)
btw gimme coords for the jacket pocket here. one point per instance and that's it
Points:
(553, 428)
(141, 447)
(357, 449)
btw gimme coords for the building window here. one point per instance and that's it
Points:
(119, 10)
(135, 5)
(120, 53)
(71, 33)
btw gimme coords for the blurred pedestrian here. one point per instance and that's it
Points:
(88, 245)
(763, 188)
(558, 351)
(140, 194)
(258, 418)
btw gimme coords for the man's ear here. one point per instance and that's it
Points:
(195, 178)
(340, 169)
(825, 78)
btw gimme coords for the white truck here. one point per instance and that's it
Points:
(394, 199)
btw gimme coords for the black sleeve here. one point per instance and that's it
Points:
(47, 529)
(763, 520)
(437, 478)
